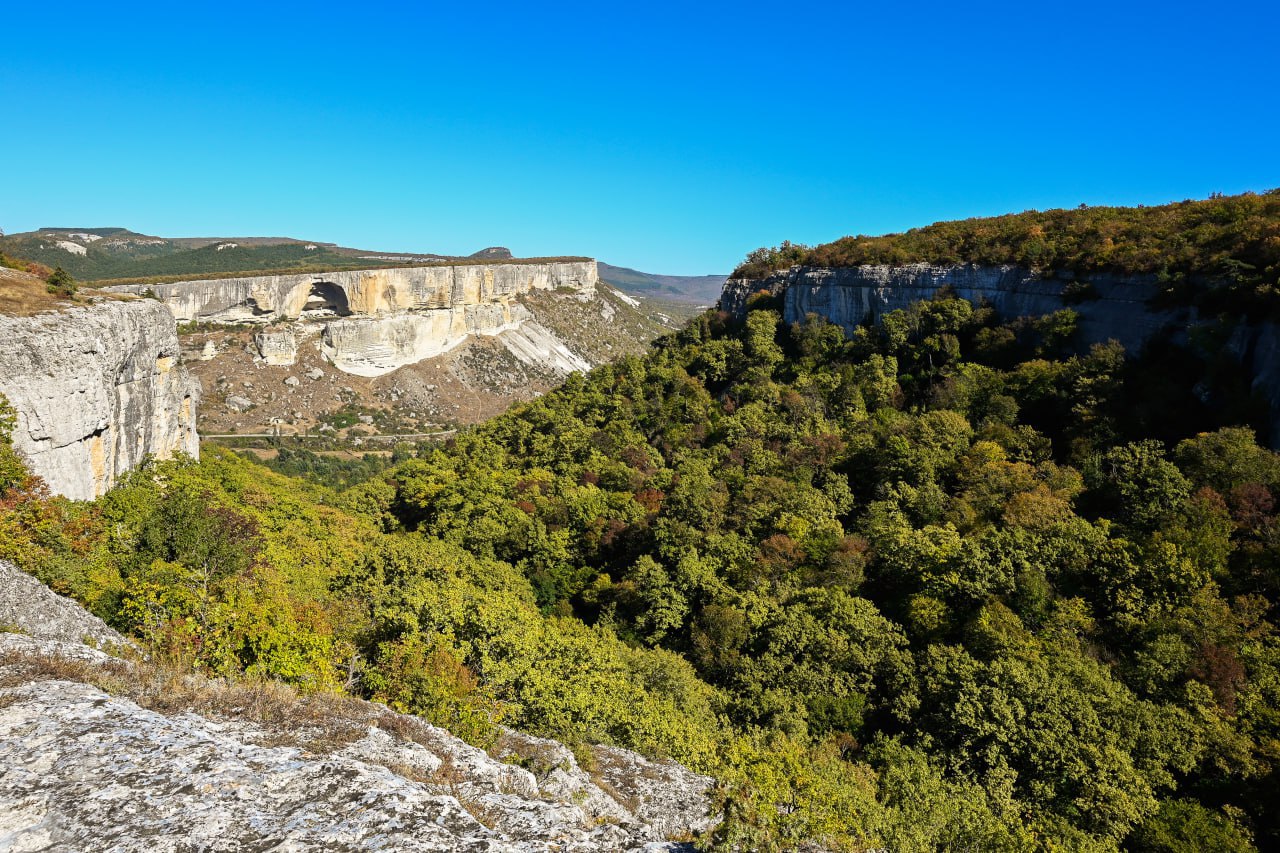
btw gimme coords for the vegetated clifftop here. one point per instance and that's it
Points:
(111, 253)
(214, 765)
(1109, 306)
(97, 389)
(1116, 307)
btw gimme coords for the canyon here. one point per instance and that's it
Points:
(425, 346)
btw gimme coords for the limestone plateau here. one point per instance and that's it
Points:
(97, 389)
(1121, 308)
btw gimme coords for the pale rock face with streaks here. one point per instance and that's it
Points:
(375, 321)
(97, 389)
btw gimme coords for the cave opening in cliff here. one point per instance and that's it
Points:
(326, 300)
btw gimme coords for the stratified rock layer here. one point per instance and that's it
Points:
(377, 292)
(97, 390)
(1117, 308)
(375, 321)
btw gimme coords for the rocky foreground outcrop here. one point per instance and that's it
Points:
(97, 389)
(29, 606)
(1109, 307)
(97, 753)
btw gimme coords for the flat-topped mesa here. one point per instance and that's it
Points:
(1108, 307)
(370, 293)
(97, 389)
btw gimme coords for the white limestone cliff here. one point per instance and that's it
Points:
(371, 293)
(97, 389)
(375, 321)
(377, 345)
(1119, 308)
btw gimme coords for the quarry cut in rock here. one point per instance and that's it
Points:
(97, 389)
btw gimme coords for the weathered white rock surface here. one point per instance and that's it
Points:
(83, 769)
(534, 345)
(31, 607)
(268, 298)
(80, 770)
(97, 390)
(625, 786)
(375, 321)
(374, 346)
(1120, 309)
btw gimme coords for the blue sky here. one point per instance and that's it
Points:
(672, 138)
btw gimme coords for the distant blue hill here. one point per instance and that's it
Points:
(696, 289)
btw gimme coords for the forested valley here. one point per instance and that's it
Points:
(953, 582)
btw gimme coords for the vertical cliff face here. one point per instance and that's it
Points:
(97, 389)
(1117, 308)
(370, 293)
(375, 321)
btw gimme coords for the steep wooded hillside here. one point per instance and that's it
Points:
(1231, 240)
(943, 583)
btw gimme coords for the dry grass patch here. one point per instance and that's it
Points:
(282, 715)
(23, 294)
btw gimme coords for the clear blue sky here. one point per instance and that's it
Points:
(669, 137)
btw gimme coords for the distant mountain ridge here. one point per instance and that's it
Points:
(114, 253)
(698, 289)
(104, 253)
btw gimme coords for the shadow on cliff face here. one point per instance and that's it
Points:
(326, 300)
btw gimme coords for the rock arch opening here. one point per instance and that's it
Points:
(326, 299)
